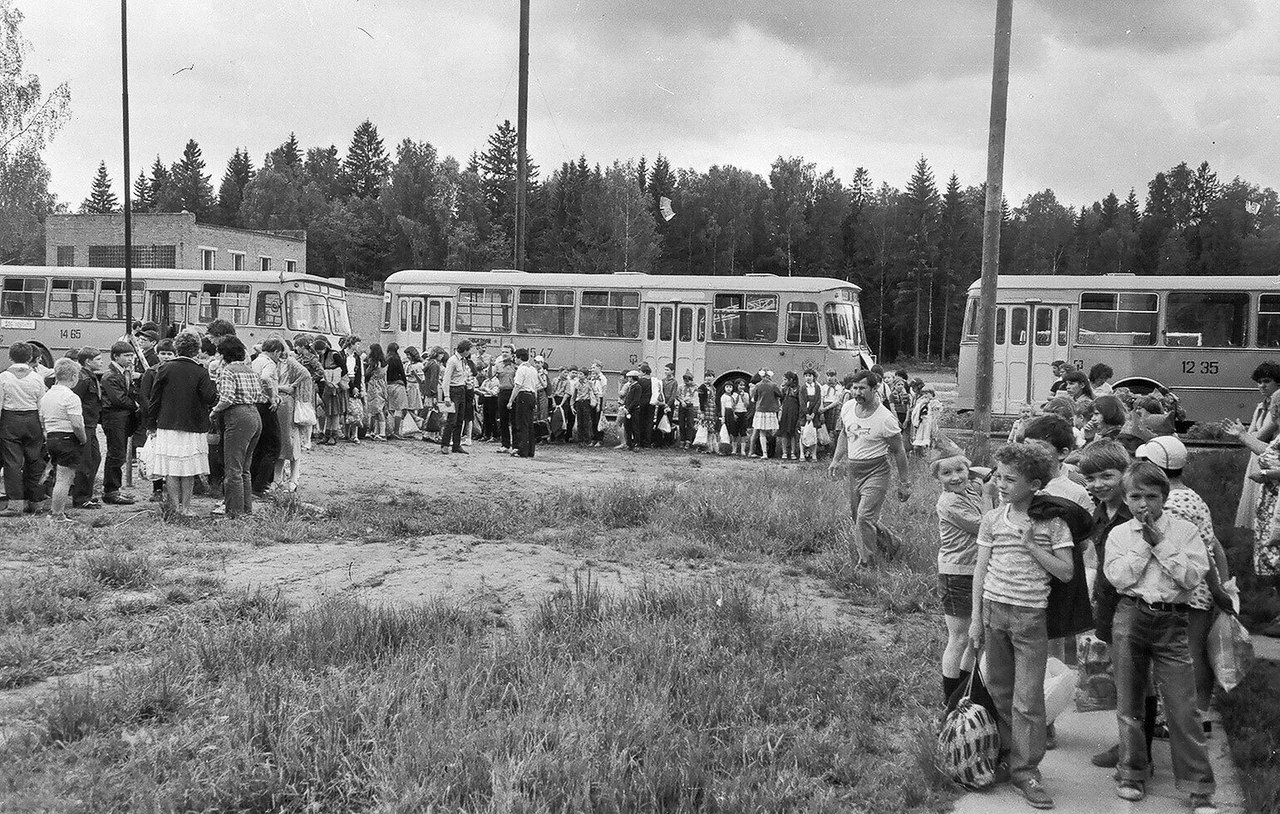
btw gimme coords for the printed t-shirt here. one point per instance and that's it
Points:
(869, 437)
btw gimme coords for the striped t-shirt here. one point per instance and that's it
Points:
(1013, 575)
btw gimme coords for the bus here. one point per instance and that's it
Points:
(57, 308)
(732, 325)
(1199, 337)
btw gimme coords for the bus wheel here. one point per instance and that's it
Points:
(43, 354)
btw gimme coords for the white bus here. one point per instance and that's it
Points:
(62, 307)
(1200, 337)
(732, 325)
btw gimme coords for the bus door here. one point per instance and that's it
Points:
(1028, 340)
(438, 323)
(675, 333)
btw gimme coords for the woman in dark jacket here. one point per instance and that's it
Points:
(178, 421)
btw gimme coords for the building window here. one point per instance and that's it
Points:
(23, 297)
(66, 255)
(543, 311)
(219, 301)
(208, 257)
(270, 309)
(291, 267)
(111, 299)
(745, 318)
(1207, 319)
(237, 261)
(1117, 318)
(610, 313)
(72, 299)
(144, 257)
(484, 310)
(802, 323)
(265, 263)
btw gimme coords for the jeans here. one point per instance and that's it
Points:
(502, 428)
(115, 425)
(1146, 640)
(242, 424)
(22, 448)
(868, 484)
(452, 434)
(267, 450)
(586, 422)
(87, 471)
(1017, 648)
(688, 423)
(522, 423)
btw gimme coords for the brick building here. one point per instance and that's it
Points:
(171, 240)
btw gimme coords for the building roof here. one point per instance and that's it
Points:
(185, 275)
(508, 277)
(296, 235)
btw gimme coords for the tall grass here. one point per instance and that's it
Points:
(675, 700)
(1251, 715)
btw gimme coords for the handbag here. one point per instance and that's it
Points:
(969, 743)
(304, 414)
(824, 437)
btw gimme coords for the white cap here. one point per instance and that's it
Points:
(1165, 451)
(539, 359)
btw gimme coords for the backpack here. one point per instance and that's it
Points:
(969, 744)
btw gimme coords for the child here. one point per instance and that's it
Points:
(1154, 561)
(960, 508)
(1016, 557)
(1025, 414)
(65, 436)
(924, 420)
(1058, 434)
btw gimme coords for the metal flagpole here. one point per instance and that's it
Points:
(128, 205)
(991, 228)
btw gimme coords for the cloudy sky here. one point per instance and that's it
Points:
(1103, 94)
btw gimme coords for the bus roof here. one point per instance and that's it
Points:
(187, 275)
(1133, 282)
(743, 282)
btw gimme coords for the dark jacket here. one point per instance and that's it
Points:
(181, 396)
(1069, 611)
(637, 396)
(1105, 595)
(118, 395)
(811, 405)
(395, 370)
(88, 390)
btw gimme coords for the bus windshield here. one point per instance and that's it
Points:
(307, 312)
(842, 326)
(338, 317)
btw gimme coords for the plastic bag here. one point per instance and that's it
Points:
(304, 415)
(1230, 646)
(700, 437)
(824, 437)
(664, 425)
(724, 434)
(969, 744)
(808, 436)
(1059, 689)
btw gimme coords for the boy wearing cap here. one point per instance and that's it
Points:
(119, 408)
(144, 341)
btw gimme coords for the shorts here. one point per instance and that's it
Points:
(957, 594)
(64, 449)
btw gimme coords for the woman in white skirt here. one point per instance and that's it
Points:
(294, 415)
(178, 422)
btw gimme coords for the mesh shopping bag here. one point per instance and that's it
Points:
(969, 744)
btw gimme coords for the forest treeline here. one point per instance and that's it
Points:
(373, 210)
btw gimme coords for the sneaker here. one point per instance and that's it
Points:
(117, 499)
(1131, 790)
(1033, 790)
(1108, 759)
(219, 510)
(1203, 804)
(91, 503)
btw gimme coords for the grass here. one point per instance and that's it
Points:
(1251, 715)
(675, 699)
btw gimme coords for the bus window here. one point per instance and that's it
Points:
(702, 325)
(1269, 320)
(433, 316)
(664, 324)
(448, 316)
(745, 318)
(842, 326)
(1206, 319)
(1002, 318)
(269, 312)
(22, 297)
(1117, 318)
(339, 321)
(172, 307)
(610, 314)
(230, 302)
(686, 325)
(970, 332)
(306, 312)
(543, 311)
(1018, 333)
(111, 299)
(653, 322)
(72, 299)
(1044, 327)
(404, 315)
(1064, 314)
(415, 321)
(802, 322)
(484, 310)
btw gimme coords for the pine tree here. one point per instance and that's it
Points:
(101, 200)
(142, 201)
(231, 192)
(161, 187)
(287, 158)
(497, 166)
(921, 211)
(191, 189)
(367, 164)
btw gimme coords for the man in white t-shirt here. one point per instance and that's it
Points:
(870, 434)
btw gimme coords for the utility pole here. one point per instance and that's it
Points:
(128, 205)
(522, 142)
(991, 228)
